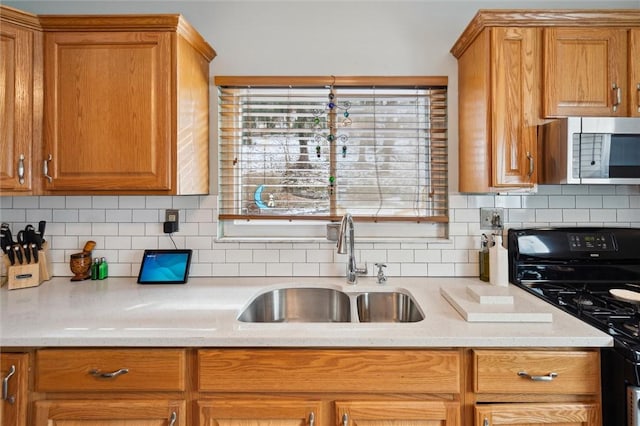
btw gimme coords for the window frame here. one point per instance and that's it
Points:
(313, 228)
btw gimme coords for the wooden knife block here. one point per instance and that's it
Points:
(29, 275)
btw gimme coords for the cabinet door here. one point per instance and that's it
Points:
(265, 412)
(585, 72)
(16, 107)
(108, 116)
(634, 70)
(537, 414)
(515, 88)
(13, 406)
(102, 413)
(407, 413)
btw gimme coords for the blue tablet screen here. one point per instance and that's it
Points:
(165, 266)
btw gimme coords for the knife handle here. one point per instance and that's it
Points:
(10, 255)
(27, 253)
(34, 252)
(18, 253)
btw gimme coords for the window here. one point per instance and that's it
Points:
(302, 151)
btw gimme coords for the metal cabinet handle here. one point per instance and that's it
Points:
(312, 419)
(345, 419)
(173, 418)
(21, 169)
(45, 168)
(100, 375)
(617, 96)
(531, 164)
(5, 386)
(549, 377)
(485, 422)
(638, 90)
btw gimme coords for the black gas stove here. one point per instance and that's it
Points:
(593, 274)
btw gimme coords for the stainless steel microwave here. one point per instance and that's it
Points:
(589, 150)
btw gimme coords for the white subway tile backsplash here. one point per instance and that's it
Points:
(141, 243)
(132, 201)
(279, 269)
(91, 215)
(138, 215)
(603, 215)
(306, 270)
(548, 215)
(51, 202)
(104, 202)
(78, 229)
(414, 270)
(78, 202)
(123, 226)
(66, 215)
(159, 202)
(118, 242)
(575, 215)
(562, 202)
(266, 256)
(118, 215)
(589, 201)
(26, 203)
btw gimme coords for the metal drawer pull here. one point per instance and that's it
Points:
(21, 169)
(173, 418)
(549, 377)
(5, 386)
(638, 90)
(345, 419)
(99, 374)
(312, 419)
(485, 422)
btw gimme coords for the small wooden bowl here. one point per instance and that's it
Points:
(80, 264)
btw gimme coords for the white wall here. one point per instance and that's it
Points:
(307, 37)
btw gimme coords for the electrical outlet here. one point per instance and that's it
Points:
(491, 218)
(172, 216)
(171, 221)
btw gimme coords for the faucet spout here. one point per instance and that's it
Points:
(347, 233)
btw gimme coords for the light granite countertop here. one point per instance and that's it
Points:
(203, 313)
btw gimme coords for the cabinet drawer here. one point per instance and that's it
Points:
(65, 370)
(328, 370)
(544, 372)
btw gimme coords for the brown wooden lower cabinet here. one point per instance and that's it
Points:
(14, 373)
(523, 414)
(303, 387)
(100, 413)
(406, 413)
(263, 411)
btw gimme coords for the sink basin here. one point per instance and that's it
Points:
(299, 305)
(387, 307)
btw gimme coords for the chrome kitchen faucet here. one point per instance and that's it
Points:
(352, 269)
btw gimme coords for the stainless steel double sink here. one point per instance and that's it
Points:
(321, 304)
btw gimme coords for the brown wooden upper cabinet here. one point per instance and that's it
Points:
(20, 111)
(94, 104)
(585, 72)
(517, 69)
(126, 105)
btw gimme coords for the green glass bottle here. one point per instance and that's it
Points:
(103, 269)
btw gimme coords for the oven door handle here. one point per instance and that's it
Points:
(549, 377)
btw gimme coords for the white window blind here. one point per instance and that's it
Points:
(303, 148)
